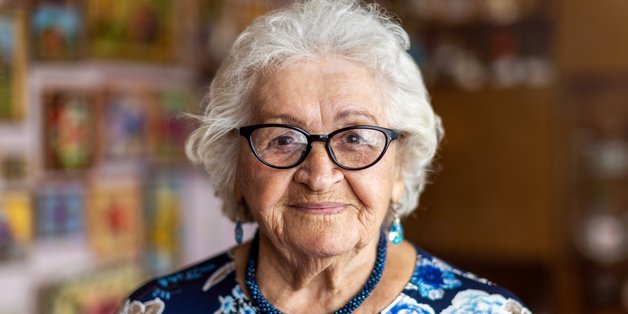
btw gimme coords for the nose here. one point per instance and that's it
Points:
(318, 171)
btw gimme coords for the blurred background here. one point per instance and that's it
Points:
(530, 187)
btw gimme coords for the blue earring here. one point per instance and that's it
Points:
(395, 233)
(239, 234)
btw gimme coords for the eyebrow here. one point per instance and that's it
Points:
(349, 113)
(343, 115)
(286, 118)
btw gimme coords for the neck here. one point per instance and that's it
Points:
(299, 271)
(293, 280)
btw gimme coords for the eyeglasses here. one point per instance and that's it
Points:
(284, 146)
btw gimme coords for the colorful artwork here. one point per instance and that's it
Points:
(162, 222)
(171, 128)
(137, 30)
(56, 32)
(60, 209)
(96, 292)
(14, 168)
(127, 119)
(12, 65)
(69, 133)
(15, 223)
(115, 226)
(221, 23)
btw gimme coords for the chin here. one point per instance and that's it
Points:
(326, 242)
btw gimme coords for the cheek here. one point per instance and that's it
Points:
(374, 191)
(374, 186)
(262, 187)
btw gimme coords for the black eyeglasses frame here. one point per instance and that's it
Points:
(246, 132)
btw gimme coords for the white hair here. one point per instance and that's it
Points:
(350, 29)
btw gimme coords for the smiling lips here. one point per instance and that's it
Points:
(327, 208)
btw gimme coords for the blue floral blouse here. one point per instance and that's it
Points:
(211, 287)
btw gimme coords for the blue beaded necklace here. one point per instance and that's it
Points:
(261, 303)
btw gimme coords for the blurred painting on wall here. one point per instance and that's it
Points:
(162, 220)
(60, 209)
(220, 24)
(171, 128)
(68, 129)
(96, 292)
(15, 223)
(114, 216)
(135, 30)
(128, 117)
(14, 168)
(12, 65)
(56, 31)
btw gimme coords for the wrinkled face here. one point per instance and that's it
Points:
(318, 208)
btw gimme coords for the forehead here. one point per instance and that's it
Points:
(319, 94)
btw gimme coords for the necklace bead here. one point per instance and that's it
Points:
(264, 306)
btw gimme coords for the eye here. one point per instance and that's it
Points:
(358, 140)
(283, 140)
(353, 138)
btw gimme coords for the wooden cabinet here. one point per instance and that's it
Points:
(493, 188)
(592, 36)
(518, 177)
(493, 206)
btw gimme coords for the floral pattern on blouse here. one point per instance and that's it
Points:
(405, 305)
(477, 301)
(211, 287)
(236, 302)
(155, 306)
(432, 277)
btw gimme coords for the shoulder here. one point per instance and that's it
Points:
(197, 285)
(438, 287)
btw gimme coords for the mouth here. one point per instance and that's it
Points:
(327, 208)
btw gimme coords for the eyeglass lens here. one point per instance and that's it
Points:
(284, 147)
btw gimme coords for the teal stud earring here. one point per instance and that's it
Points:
(239, 234)
(395, 233)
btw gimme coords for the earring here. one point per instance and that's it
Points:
(239, 234)
(395, 233)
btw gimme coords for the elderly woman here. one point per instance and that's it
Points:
(318, 128)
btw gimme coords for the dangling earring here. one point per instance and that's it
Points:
(239, 234)
(395, 233)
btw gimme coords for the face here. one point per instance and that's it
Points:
(318, 208)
